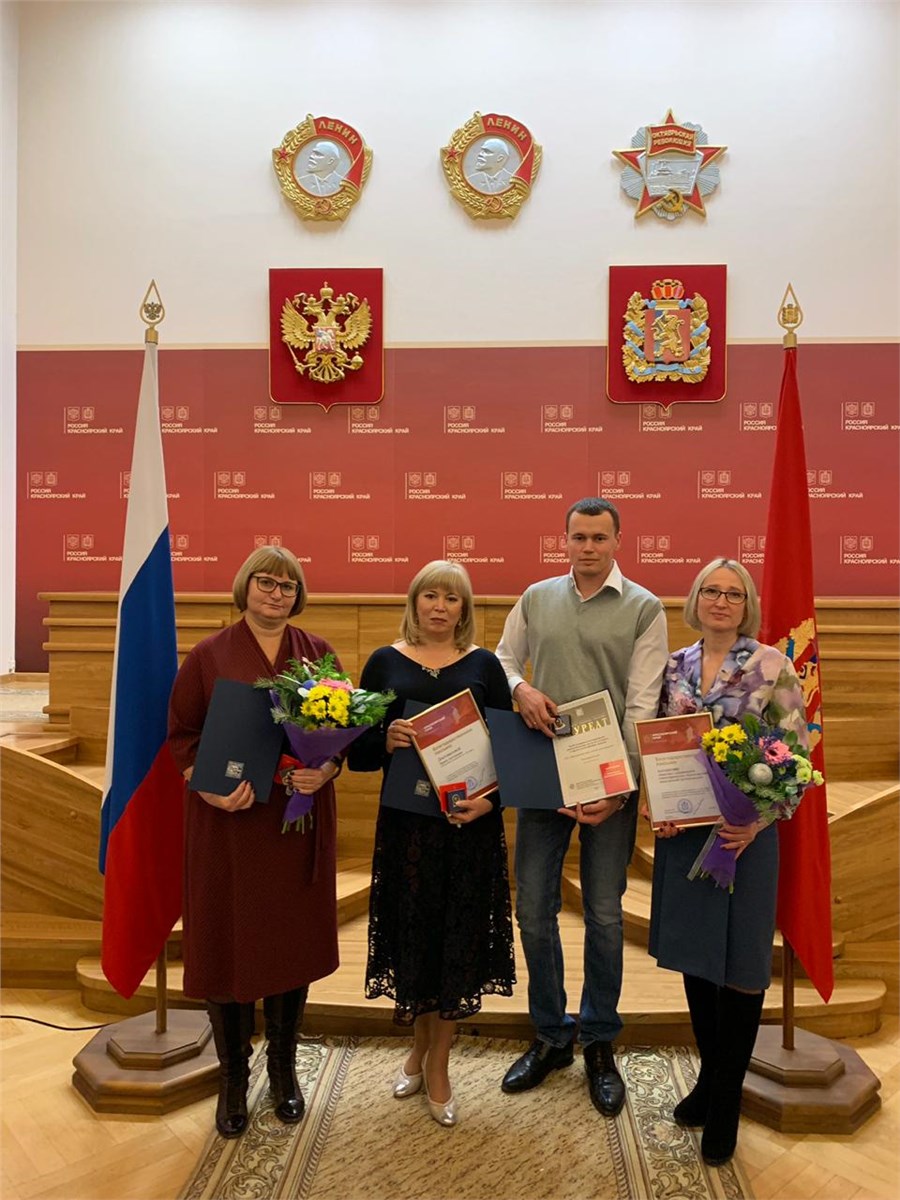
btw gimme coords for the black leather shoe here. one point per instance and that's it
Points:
(536, 1064)
(604, 1081)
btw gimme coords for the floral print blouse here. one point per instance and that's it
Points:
(754, 679)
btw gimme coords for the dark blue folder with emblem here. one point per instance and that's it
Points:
(525, 762)
(239, 741)
(406, 783)
(524, 758)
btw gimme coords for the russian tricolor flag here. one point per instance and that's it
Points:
(142, 840)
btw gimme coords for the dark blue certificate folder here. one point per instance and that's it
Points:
(524, 758)
(525, 762)
(406, 784)
(239, 741)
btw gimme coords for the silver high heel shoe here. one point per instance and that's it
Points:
(406, 1085)
(445, 1114)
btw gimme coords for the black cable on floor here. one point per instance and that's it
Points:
(51, 1025)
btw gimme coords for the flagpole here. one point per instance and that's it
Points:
(152, 312)
(155, 1062)
(807, 1083)
(790, 318)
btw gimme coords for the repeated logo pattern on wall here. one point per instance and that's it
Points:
(472, 454)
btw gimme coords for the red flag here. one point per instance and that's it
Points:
(789, 622)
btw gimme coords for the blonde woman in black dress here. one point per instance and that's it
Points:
(440, 923)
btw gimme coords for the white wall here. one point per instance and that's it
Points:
(8, 84)
(145, 137)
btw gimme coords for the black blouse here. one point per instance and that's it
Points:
(387, 668)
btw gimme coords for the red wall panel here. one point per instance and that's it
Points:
(472, 454)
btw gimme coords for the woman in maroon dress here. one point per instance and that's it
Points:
(260, 916)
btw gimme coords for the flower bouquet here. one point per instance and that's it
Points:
(322, 713)
(757, 771)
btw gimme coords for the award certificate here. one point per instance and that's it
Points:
(454, 745)
(591, 758)
(675, 780)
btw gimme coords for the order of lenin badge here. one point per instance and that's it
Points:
(669, 169)
(322, 166)
(326, 339)
(666, 334)
(490, 165)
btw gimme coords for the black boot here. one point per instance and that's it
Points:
(739, 1015)
(703, 998)
(232, 1026)
(283, 1015)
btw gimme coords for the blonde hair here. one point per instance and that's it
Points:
(264, 561)
(452, 577)
(749, 626)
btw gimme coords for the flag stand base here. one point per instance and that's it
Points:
(820, 1086)
(129, 1067)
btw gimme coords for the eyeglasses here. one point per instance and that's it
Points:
(266, 583)
(732, 595)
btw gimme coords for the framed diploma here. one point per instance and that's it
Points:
(591, 759)
(455, 747)
(675, 780)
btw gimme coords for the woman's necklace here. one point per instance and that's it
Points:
(434, 672)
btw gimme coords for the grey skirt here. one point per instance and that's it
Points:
(701, 929)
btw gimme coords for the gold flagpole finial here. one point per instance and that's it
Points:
(152, 311)
(790, 317)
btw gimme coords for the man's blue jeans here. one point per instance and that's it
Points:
(542, 838)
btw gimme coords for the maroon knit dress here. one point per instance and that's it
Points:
(260, 913)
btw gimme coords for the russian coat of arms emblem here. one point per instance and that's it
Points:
(326, 335)
(669, 169)
(327, 328)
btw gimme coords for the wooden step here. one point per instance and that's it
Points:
(873, 960)
(652, 1005)
(42, 951)
(354, 879)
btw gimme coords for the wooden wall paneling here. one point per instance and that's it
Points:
(338, 623)
(50, 835)
(865, 875)
(859, 652)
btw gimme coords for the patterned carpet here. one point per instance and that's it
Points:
(358, 1143)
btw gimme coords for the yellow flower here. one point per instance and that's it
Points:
(733, 734)
(720, 752)
(709, 739)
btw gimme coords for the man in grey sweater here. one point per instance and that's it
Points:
(583, 632)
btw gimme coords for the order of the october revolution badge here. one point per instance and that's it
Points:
(669, 170)
(326, 342)
(322, 166)
(490, 164)
(666, 329)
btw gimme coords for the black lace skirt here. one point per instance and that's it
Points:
(440, 923)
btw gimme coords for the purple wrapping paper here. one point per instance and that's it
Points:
(314, 747)
(738, 809)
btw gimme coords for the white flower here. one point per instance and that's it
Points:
(760, 773)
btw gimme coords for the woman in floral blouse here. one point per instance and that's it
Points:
(721, 941)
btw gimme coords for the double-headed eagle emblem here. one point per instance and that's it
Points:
(326, 327)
